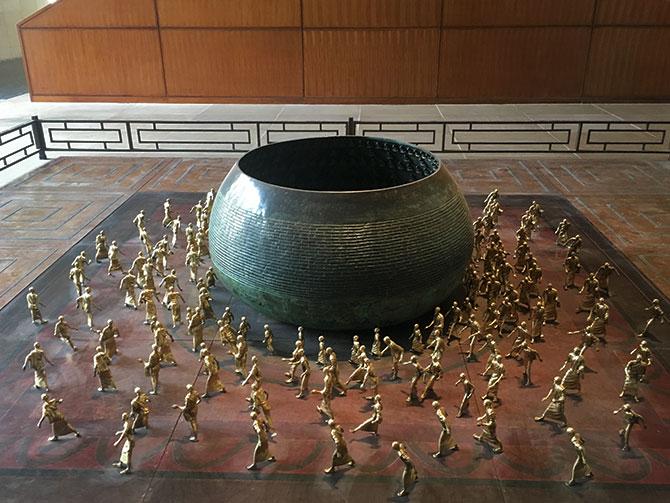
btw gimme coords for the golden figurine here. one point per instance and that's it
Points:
(85, 303)
(572, 379)
(334, 369)
(114, 259)
(128, 284)
(475, 333)
(589, 290)
(358, 373)
(603, 274)
(174, 300)
(268, 339)
(127, 434)
(193, 261)
(205, 303)
(341, 454)
(294, 361)
(33, 300)
(163, 339)
(145, 239)
(523, 336)
(240, 355)
(555, 411)
(254, 372)
(438, 321)
(139, 409)
(630, 418)
(416, 340)
(210, 278)
(409, 475)
(438, 346)
(645, 352)
(262, 449)
(657, 317)
(572, 266)
(488, 423)
(446, 441)
(37, 359)
(77, 277)
(372, 424)
(413, 396)
(259, 403)
(170, 281)
(227, 334)
(175, 227)
(195, 329)
(561, 232)
(528, 355)
(139, 220)
(633, 372)
(146, 297)
(61, 332)
(397, 353)
(152, 368)
(497, 375)
(551, 304)
(244, 327)
(434, 373)
(136, 266)
(468, 391)
(370, 379)
(574, 244)
(326, 393)
(190, 410)
(376, 349)
(214, 384)
(227, 316)
(101, 369)
(581, 468)
(101, 251)
(167, 213)
(304, 377)
(321, 357)
(59, 425)
(107, 339)
(355, 350)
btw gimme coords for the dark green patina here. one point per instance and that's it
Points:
(340, 232)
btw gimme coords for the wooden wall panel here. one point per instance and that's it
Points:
(629, 63)
(513, 63)
(633, 12)
(517, 12)
(229, 13)
(223, 63)
(95, 13)
(371, 64)
(97, 62)
(371, 13)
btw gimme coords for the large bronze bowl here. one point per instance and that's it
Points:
(340, 232)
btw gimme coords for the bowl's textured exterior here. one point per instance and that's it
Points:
(341, 259)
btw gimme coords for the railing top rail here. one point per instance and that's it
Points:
(15, 128)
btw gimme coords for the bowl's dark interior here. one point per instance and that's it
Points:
(339, 163)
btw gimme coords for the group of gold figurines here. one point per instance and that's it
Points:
(489, 277)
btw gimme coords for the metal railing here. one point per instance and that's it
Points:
(44, 136)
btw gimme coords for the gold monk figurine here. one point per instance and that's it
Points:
(268, 339)
(33, 300)
(413, 396)
(555, 411)
(372, 424)
(581, 469)
(214, 384)
(139, 409)
(190, 410)
(262, 449)
(468, 391)
(630, 418)
(59, 425)
(101, 369)
(657, 317)
(61, 332)
(409, 475)
(446, 442)
(126, 434)
(37, 359)
(152, 367)
(397, 352)
(341, 454)
(488, 423)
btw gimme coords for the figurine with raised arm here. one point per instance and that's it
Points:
(643, 349)
(37, 359)
(260, 403)
(409, 475)
(413, 396)
(446, 442)
(294, 361)
(438, 321)
(190, 410)
(341, 453)
(61, 332)
(468, 391)
(101, 369)
(397, 352)
(59, 425)
(434, 373)
(254, 374)
(632, 373)
(262, 449)
(33, 300)
(657, 317)
(630, 418)
(372, 424)
(139, 409)
(126, 433)
(488, 423)
(581, 469)
(555, 411)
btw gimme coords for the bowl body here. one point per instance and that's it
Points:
(340, 259)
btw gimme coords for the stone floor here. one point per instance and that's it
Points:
(48, 210)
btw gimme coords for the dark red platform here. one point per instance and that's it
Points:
(536, 461)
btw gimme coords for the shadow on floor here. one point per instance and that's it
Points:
(12, 78)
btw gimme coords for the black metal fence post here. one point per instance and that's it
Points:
(38, 135)
(351, 127)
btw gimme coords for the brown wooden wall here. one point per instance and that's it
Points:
(342, 51)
